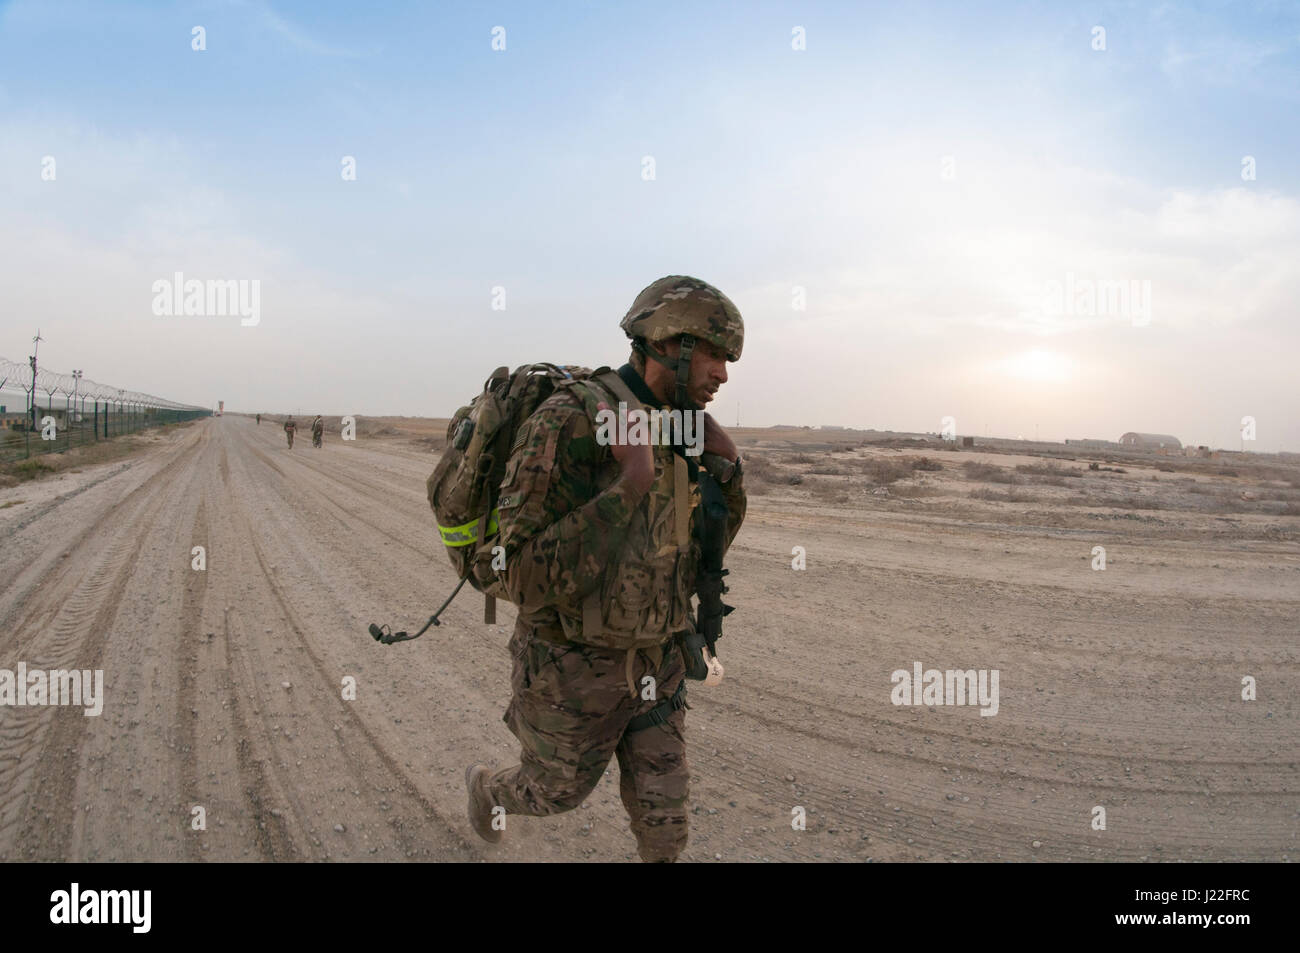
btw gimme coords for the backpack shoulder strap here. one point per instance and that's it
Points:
(602, 384)
(624, 393)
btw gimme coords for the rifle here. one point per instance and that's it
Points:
(700, 644)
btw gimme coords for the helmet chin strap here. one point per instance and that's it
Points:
(681, 366)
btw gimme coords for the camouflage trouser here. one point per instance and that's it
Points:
(570, 708)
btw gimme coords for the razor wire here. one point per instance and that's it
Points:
(15, 375)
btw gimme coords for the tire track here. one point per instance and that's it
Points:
(186, 715)
(360, 753)
(270, 831)
(376, 748)
(352, 513)
(40, 748)
(44, 746)
(57, 578)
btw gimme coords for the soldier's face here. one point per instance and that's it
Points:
(708, 370)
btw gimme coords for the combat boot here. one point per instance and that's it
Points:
(480, 805)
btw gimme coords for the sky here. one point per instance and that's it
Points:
(1054, 219)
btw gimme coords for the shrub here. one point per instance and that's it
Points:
(988, 473)
(911, 491)
(830, 492)
(1274, 493)
(759, 469)
(33, 467)
(1049, 469)
(1115, 502)
(882, 470)
(1001, 496)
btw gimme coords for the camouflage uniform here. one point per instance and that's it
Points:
(603, 578)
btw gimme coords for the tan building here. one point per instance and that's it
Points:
(1151, 441)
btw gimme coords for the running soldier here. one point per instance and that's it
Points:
(289, 428)
(601, 556)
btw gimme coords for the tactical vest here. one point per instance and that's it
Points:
(645, 594)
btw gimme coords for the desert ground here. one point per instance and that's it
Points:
(1119, 688)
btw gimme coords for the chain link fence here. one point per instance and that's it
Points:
(69, 410)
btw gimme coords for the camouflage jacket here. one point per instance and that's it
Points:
(586, 555)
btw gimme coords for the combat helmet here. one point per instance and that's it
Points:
(685, 307)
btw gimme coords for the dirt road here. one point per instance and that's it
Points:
(1119, 689)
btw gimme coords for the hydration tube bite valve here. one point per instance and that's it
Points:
(385, 635)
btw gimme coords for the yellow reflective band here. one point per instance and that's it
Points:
(467, 533)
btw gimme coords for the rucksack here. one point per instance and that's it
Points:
(464, 486)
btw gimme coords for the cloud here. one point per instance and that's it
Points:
(1225, 60)
(296, 35)
(982, 251)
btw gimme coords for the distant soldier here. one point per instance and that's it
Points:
(289, 428)
(602, 555)
(317, 430)
(259, 420)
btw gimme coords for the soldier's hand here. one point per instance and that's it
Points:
(636, 460)
(717, 440)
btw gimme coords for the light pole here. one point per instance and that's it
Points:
(76, 386)
(36, 349)
(32, 409)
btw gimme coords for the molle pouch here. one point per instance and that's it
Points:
(662, 607)
(461, 490)
(632, 608)
(630, 598)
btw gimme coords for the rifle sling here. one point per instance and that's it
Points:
(660, 713)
